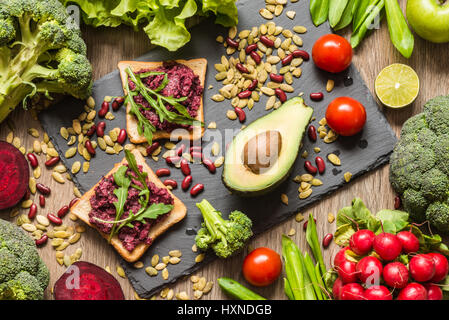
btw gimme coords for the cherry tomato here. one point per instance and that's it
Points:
(332, 53)
(346, 116)
(262, 266)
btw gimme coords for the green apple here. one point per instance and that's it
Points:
(429, 19)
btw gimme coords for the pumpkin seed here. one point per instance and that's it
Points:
(58, 177)
(278, 10)
(43, 220)
(217, 98)
(305, 194)
(194, 279)
(151, 271)
(212, 125)
(300, 29)
(284, 199)
(297, 40)
(347, 176)
(70, 152)
(266, 14)
(60, 168)
(299, 217)
(175, 253)
(174, 260)
(334, 159)
(29, 227)
(170, 294)
(121, 272)
(291, 232)
(219, 39)
(76, 166)
(208, 287)
(330, 217)
(57, 242)
(291, 14)
(165, 274)
(165, 259)
(197, 294)
(62, 234)
(316, 182)
(297, 72)
(138, 265)
(182, 296)
(160, 266)
(15, 212)
(219, 162)
(194, 248)
(231, 115)
(33, 132)
(74, 238)
(27, 203)
(16, 142)
(199, 258)
(86, 166)
(101, 143)
(62, 246)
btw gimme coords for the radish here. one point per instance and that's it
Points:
(361, 242)
(369, 270)
(336, 289)
(395, 275)
(387, 246)
(340, 257)
(434, 292)
(413, 291)
(409, 241)
(422, 267)
(441, 266)
(346, 271)
(352, 291)
(377, 293)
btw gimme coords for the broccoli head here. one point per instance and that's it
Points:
(225, 237)
(41, 53)
(23, 275)
(419, 165)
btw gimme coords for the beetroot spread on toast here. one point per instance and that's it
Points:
(182, 82)
(102, 203)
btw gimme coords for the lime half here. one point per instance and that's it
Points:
(397, 85)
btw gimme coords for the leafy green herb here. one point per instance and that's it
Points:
(319, 10)
(314, 243)
(336, 9)
(400, 34)
(121, 193)
(348, 13)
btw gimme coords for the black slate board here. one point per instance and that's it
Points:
(359, 154)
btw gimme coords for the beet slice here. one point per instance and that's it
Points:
(86, 281)
(14, 175)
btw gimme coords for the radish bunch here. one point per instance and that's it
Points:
(378, 275)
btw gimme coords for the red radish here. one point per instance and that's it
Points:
(434, 292)
(422, 267)
(369, 270)
(441, 266)
(340, 257)
(410, 242)
(377, 293)
(86, 281)
(413, 291)
(14, 175)
(361, 242)
(336, 289)
(347, 272)
(395, 275)
(352, 291)
(387, 246)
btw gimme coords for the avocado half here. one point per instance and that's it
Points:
(291, 121)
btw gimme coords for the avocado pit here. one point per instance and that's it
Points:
(261, 152)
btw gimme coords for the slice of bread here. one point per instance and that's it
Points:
(82, 209)
(199, 67)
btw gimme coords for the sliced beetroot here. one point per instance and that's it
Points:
(86, 281)
(14, 175)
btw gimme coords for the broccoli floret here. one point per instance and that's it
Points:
(225, 237)
(41, 53)
(23, 275)
(419, 165)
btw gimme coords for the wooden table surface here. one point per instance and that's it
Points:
(108, 46)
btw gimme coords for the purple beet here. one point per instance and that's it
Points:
(14, 175)
(86, 281)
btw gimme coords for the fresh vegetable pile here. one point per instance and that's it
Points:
(419, 165)
(386, 257)
(41, 52)
(164, 21)
(365, 15)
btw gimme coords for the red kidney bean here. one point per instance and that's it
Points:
(250, 48)
(73, 201)
(301, 54)
(104, 109)
(311, 132)
(196, 148)
(267, 41)
(276, 77)
(43, 240)
(120, 100)
(153, 147)
(209, 165)
(43, 189)
(240, 67)
(185, 168)
(122, 136)
(280, 94)
(321, 165)
(172, 160)
(33, 211)
(91, 131)
(196, 155)
(33, 160)
(317, 96)
(241, 114)
(89, 147)
(163, 172)
(54, 219)
(232, 43)
(287, 59)
(244, 94)
(171, 183)
(255, 56)
(186, 183)
(52, 161)
(117, 103)
(304, 226)
(253, 85)
(327, 240)
(310, 168)
(196, 189)
(181, 150)
(41, 200)
(114, 105)
(63, 211)
(101, 126)
(27, 194)
(397, 202)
